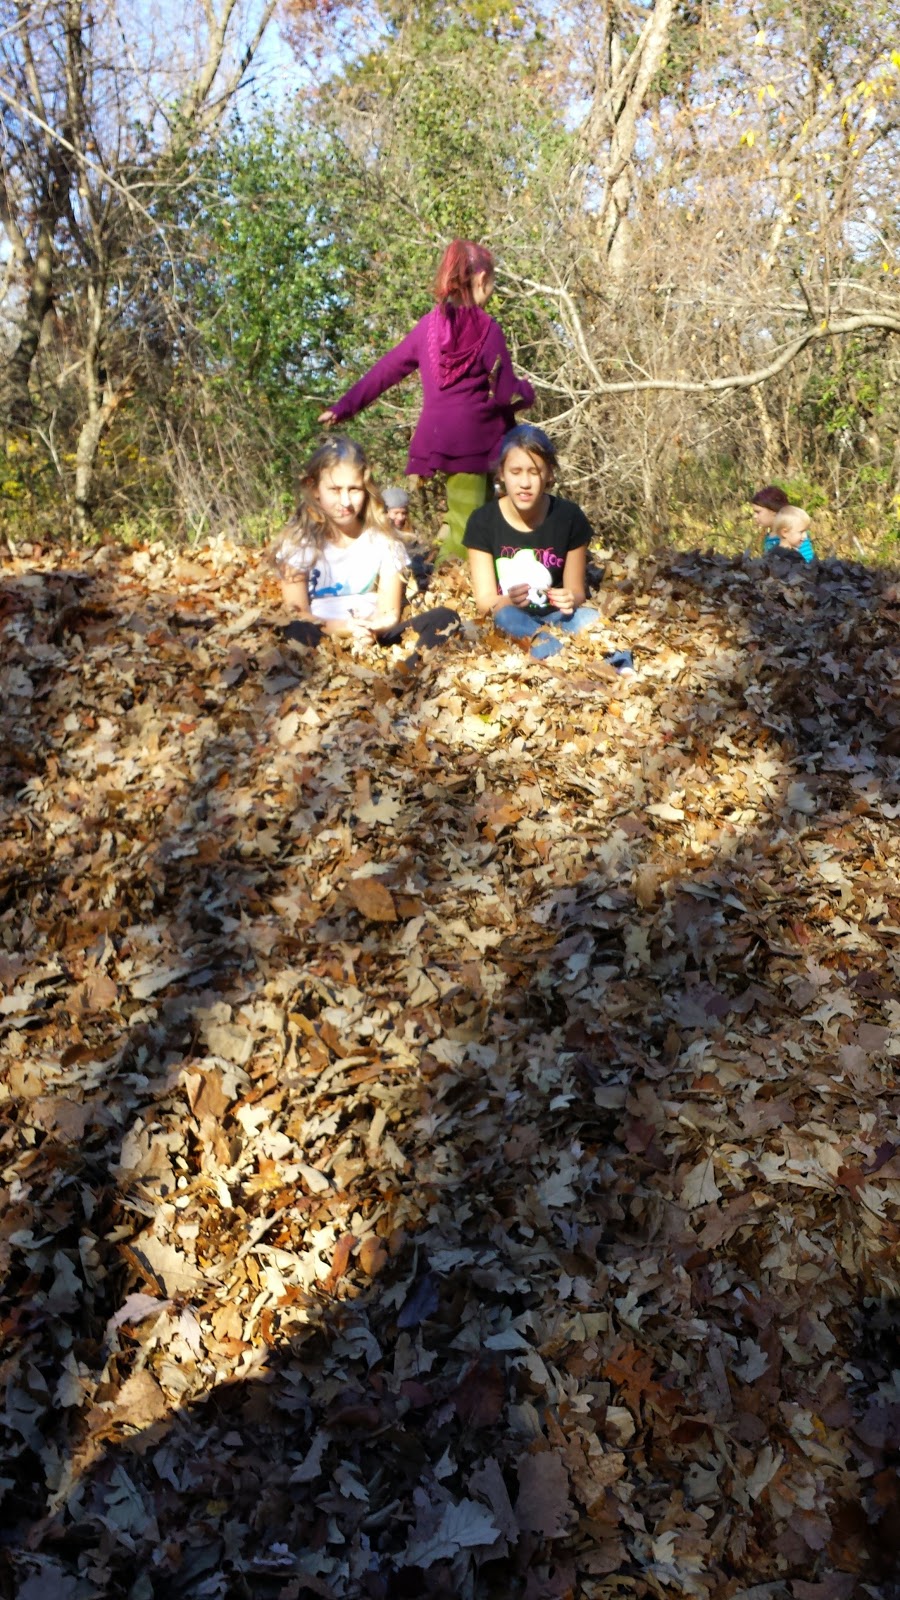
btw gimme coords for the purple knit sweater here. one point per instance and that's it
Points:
(463, 422)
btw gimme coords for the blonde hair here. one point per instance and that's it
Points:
(307, 532)
(791, 519)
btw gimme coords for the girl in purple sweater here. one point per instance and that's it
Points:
(470, 393)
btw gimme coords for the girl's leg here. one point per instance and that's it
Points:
(583, 617)
(520, 624)
(308, 633)
(432, 627)
(517, 623)
(466, 491)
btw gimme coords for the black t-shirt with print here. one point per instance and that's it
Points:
(564, 528)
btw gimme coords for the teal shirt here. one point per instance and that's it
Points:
(805, 549)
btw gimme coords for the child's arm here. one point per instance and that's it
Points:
(295, 594)
(396, 365)
(484, 585)
(571, 592)
(391, 590)
(510, 392)
(295, 597)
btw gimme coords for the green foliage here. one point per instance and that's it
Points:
(323, 232)
(271, 283)
(842, 395)
(802, 492)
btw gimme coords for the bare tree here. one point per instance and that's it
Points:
(622, 82)
(104, 119)
(729, 221)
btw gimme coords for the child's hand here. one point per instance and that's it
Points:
(350, 627)
(327, 417)
(379, 623)
(562, 599)
(516, 596)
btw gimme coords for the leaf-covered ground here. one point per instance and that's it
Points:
(449, 1117)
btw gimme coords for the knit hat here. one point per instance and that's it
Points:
(771, 497)
(395, 498)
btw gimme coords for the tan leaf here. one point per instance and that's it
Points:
(372, 899)
(699, 1187)
(141, 1401)
(96, 993)
(372, 1255)
(646, 885)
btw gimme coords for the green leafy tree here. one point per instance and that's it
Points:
(272, 281)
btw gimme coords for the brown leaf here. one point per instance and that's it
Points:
(543, 1505)
(62, 1116)
(836, 1586)
(97, 993)
(342, 1252)
(372, 900)
(141, 1401)
(646, 885)
(372, 1255)
(481, 1395)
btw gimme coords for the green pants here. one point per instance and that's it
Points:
(466, 491)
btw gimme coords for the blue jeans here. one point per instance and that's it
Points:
(521, 624)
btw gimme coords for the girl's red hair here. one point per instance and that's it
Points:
(462, 261)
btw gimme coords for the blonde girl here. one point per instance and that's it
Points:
(341, 565)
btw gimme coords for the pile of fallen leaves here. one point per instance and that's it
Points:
(449, 1114)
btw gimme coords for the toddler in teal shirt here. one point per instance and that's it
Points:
(790, 531)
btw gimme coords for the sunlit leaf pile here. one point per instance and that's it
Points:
(449, 1114)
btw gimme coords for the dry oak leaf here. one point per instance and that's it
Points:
(65, 1117)
(480, 1396)
(646, 885)
(835, 1586)
(699, 1187)
(442, 1531)
(339, 1261)
(50, 1583)
(543, 1504)
(488, 1482)
(141, 1401)
(372, 900)
(97, 993)
(372, 1255)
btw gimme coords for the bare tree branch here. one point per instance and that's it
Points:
(826, 329)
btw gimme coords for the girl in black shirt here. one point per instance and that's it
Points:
(528, 549)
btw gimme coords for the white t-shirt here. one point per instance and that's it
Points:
(343, 579)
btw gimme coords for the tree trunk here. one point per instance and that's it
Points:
(16, 395)
(85, 462)
(615, 115)
(102, 403)
(769, 460)
(98, 419)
